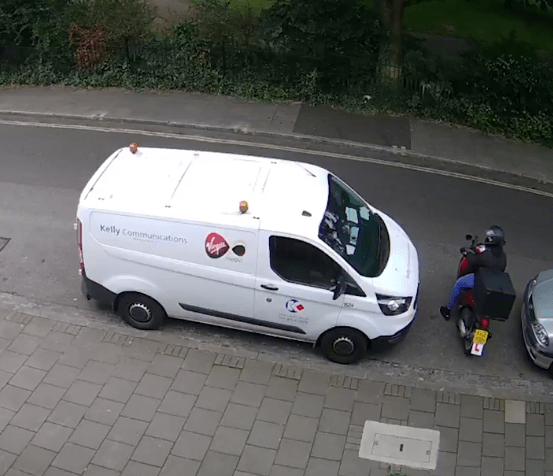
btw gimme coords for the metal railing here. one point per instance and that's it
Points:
(159, 57)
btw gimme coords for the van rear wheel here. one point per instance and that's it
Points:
(141, 311)
(344, 345)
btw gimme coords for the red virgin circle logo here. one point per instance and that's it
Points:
(215, 245)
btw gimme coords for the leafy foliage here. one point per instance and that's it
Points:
(220, 22)
(319, 27)
(120, 20)
(23, 22)
(34, 24)
(337, 40)
(317, 51)
(543, 5)
(509, 77)
(499, 88)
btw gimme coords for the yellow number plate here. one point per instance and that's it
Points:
(480, 337)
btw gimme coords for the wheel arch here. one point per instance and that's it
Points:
(119, 296)
(122, 284)
(318, 341)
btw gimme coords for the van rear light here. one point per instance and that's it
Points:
(80, 244)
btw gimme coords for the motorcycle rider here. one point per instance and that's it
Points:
(493, 257)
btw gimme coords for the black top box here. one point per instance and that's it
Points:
(494, 294)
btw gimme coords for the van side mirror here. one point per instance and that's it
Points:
(340, 287)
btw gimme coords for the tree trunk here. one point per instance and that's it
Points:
(391, 58)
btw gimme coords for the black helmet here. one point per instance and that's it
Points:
(495, 236)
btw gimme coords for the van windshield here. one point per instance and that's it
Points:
(351, 229)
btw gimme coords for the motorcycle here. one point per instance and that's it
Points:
(473, 328)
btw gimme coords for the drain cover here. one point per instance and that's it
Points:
(400, 445)
(3, 242)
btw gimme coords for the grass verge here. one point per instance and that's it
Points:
(485, 20)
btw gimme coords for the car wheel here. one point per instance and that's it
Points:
(344, 345)
(141, 311)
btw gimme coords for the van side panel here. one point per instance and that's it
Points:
(177, 240)
(181, 265)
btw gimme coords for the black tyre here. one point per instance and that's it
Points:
(344, 345)
(467, 346)
(466, 316)
(141, 311)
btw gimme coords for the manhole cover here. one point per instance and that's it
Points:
(401, 445)
(3, 243)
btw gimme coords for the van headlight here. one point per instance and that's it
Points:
(393, 305)
(541, 334)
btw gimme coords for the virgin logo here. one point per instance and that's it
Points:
(215, 245)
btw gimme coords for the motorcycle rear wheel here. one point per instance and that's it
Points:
(466, 316)
(467, 346)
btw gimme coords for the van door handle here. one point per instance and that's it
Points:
(270, 287)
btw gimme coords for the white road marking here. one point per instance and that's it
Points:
(212, 140)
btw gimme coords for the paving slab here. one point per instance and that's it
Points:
(176, 107)
(327, 122)
(515, 412)
(161, 415)
(535, 425)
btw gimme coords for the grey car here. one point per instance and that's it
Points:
(537, 319)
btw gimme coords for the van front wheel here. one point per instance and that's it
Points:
(344, 345)
(141, 311)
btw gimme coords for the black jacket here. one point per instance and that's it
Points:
(493, 258)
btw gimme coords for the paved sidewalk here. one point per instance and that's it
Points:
(460, 145)
(79, 400)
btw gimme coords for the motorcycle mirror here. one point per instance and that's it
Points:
(468, 237)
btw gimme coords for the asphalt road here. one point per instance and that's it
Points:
(43, 170)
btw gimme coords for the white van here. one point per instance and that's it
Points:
(269, 246)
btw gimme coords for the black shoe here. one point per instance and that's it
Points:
(445, 312)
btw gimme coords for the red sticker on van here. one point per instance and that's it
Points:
(215, 245)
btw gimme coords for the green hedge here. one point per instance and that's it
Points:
(309, 54)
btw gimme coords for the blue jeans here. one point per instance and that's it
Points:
(464, 283)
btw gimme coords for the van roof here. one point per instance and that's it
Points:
(283, 196)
